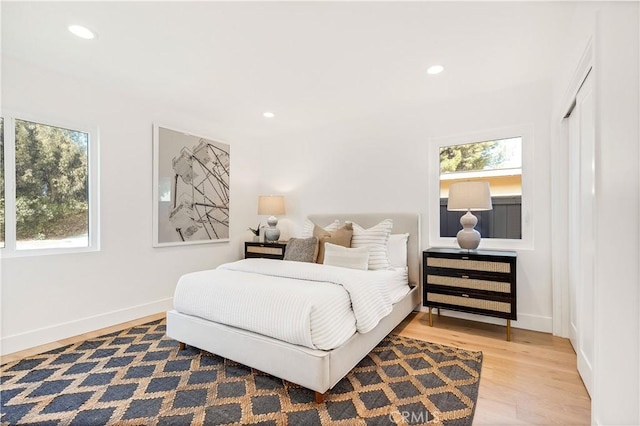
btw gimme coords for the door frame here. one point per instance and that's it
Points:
(560, 193)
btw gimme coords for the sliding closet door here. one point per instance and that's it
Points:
(582, 229)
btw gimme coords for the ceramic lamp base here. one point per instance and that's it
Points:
(272, 234)
(468, 238)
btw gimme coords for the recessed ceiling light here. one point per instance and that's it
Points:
(435, 69)
(82, 32)
(268, 114)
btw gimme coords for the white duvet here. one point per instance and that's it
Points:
(308, 304)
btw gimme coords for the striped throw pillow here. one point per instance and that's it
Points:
(375, 238)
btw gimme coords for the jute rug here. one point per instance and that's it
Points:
(139, 377)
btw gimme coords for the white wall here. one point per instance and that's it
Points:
(379, 164)
(614, 29)
(617, 185)
(45, 298)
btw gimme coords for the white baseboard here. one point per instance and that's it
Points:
(53, 333)
(525, 321)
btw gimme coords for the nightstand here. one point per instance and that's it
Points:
(265, 250)
(478, 281)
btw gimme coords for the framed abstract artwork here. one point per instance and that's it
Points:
(190, 188)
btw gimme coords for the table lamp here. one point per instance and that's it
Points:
(467, 196)
(271, 205)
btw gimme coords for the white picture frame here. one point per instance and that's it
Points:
(190, 188)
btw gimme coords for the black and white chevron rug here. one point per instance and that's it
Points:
(139, 377)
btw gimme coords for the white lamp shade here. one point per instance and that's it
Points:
(469, 195)
(271, 205)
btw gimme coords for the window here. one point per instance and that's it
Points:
(498, 162)
(502, 157)
(51, 187)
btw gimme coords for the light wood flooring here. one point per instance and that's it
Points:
(530, 380)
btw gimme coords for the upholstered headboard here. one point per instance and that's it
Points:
(402, 223)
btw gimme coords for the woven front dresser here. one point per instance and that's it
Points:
(479, 281)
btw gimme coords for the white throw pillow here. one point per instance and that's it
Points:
(354, 258)
(397, 250)
(307, 228)
(376, 239)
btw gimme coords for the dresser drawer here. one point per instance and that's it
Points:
(469, 264)
(493, 306)
(266, 250)
(469, 283)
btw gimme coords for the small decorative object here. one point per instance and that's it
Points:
(256, 233)
(271, 205)
(467, 196)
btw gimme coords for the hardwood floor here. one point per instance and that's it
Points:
(530, 380)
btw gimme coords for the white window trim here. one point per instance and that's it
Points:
(528, 194)
(9, 250)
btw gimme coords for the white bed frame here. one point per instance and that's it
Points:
(314, 369)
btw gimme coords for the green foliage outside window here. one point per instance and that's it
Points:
(51, 182)
(481, 156)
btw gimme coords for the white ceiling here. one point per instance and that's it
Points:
(309, 62)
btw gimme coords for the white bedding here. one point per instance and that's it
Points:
(308, 304)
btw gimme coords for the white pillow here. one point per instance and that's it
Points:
(354, 258)
(397, 250)
(375, 238)
(307, 228)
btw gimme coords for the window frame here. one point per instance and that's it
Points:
(93, 148)
(525, 131)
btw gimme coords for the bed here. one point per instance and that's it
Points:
(316, 369)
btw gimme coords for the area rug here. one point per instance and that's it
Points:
(139, 377)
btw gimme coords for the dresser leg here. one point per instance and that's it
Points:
(430, 318)
(508, 330)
